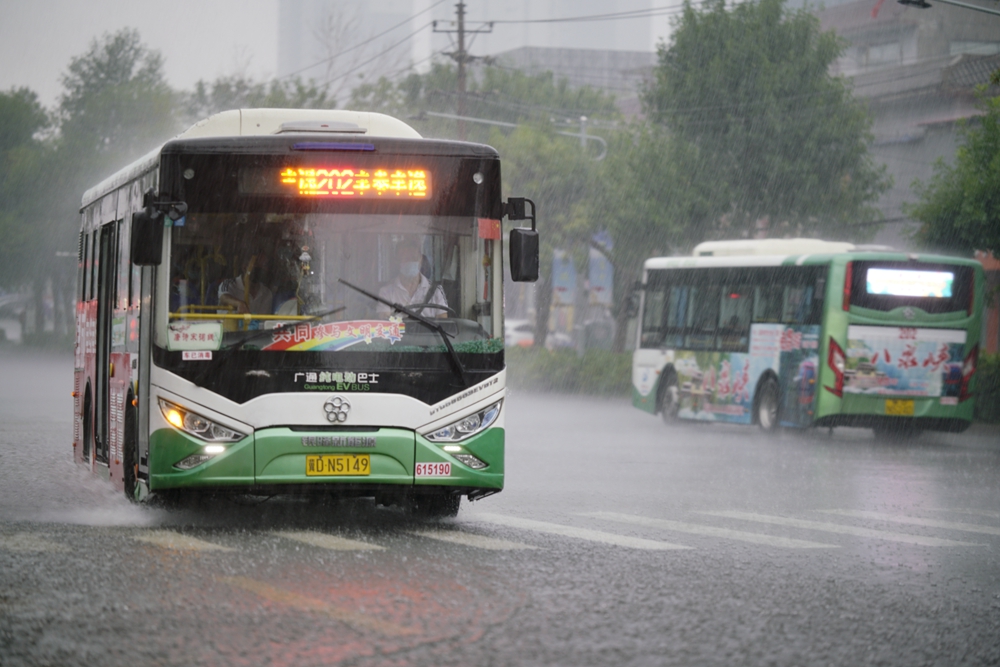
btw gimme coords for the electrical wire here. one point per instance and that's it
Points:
(377, 55)
(633, 14)
(361, 44)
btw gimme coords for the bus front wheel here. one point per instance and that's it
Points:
(767, 405)
(439, 505)
(128, 453)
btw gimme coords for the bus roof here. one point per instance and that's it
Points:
(773, 247)
(257, 122)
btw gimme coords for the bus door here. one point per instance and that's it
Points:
(106, 282)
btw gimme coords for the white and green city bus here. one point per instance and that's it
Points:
(235, 331)
(802, 332)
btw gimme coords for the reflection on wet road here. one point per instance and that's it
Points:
(617, 541)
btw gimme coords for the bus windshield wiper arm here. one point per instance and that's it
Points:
(284, 327)
(456, 363)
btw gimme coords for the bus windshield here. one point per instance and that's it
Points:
(292, 282)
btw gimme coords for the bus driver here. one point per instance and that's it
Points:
(411, 286)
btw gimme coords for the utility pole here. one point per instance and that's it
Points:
(461, 57)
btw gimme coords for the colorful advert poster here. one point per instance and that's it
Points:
(904, 361)
(719, 386)
(336, 335)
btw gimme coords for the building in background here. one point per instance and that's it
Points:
(918, 70)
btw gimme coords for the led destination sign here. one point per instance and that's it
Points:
(901, 282)
(351, 182)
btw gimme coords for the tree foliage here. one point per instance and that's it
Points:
(116, 103)
(23, 155)
(241, 92)
(749, 87)
(960, 206)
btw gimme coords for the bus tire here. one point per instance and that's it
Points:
(128, 453)
(436, 506)
(667, 400)
(767, 405)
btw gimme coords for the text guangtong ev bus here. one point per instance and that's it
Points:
(802, 332)
(241, 322)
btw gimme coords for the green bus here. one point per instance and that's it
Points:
(803, 332)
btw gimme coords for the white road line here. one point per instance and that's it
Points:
(578, 533)
(915, 521)
(986, 513)
(842, 529)
(472, 540)
(711, 531)
(28, 543)
(324, 541)
(168, 539)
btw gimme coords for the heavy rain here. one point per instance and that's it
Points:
(509, 333)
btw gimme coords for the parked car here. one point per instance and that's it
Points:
(519, 333)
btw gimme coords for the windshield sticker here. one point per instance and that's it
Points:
(194, 336)
(197, 355)
(336, 335)
(336, 380)
(904, 361)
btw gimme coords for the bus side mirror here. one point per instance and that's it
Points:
(147, 238)
(523, 246)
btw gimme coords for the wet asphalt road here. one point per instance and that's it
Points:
(617, 542)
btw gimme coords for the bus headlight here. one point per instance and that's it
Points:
(196, 425)
(467, 426)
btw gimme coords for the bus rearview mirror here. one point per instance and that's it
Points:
(523, 248)
(147, 239)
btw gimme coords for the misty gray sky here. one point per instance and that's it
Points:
(199, 39)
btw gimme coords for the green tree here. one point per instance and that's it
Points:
(960, 206)
(116, 102)
(749, 86)
(23, 156)
(240, 92)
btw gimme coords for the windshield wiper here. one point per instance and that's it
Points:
(456, 363)
(288, 325)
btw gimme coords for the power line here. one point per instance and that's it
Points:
(377, 55)
(633, 14)
(364, 43)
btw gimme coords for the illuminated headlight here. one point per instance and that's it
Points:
(198, 426)
(467, 426)
(473, 462)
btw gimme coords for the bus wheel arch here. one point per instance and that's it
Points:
(668, 395)
(767, 402)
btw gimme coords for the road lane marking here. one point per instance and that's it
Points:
(915, 521)
(29, 543)
(324, 541)
(168, 539)
(305, 603)
(711, 531)
(578, 533)
(986, 513)
(472, 540)
(842, 529)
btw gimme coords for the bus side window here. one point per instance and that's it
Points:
(85, 267)
(92, 279)
(797, 305)
(653, 317)
(734, 317)
(704, 319)
(676, 316)
(767, 304)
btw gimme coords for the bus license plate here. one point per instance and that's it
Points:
(902, 408)
(327, 465)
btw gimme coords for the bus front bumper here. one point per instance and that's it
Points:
(282, 459)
